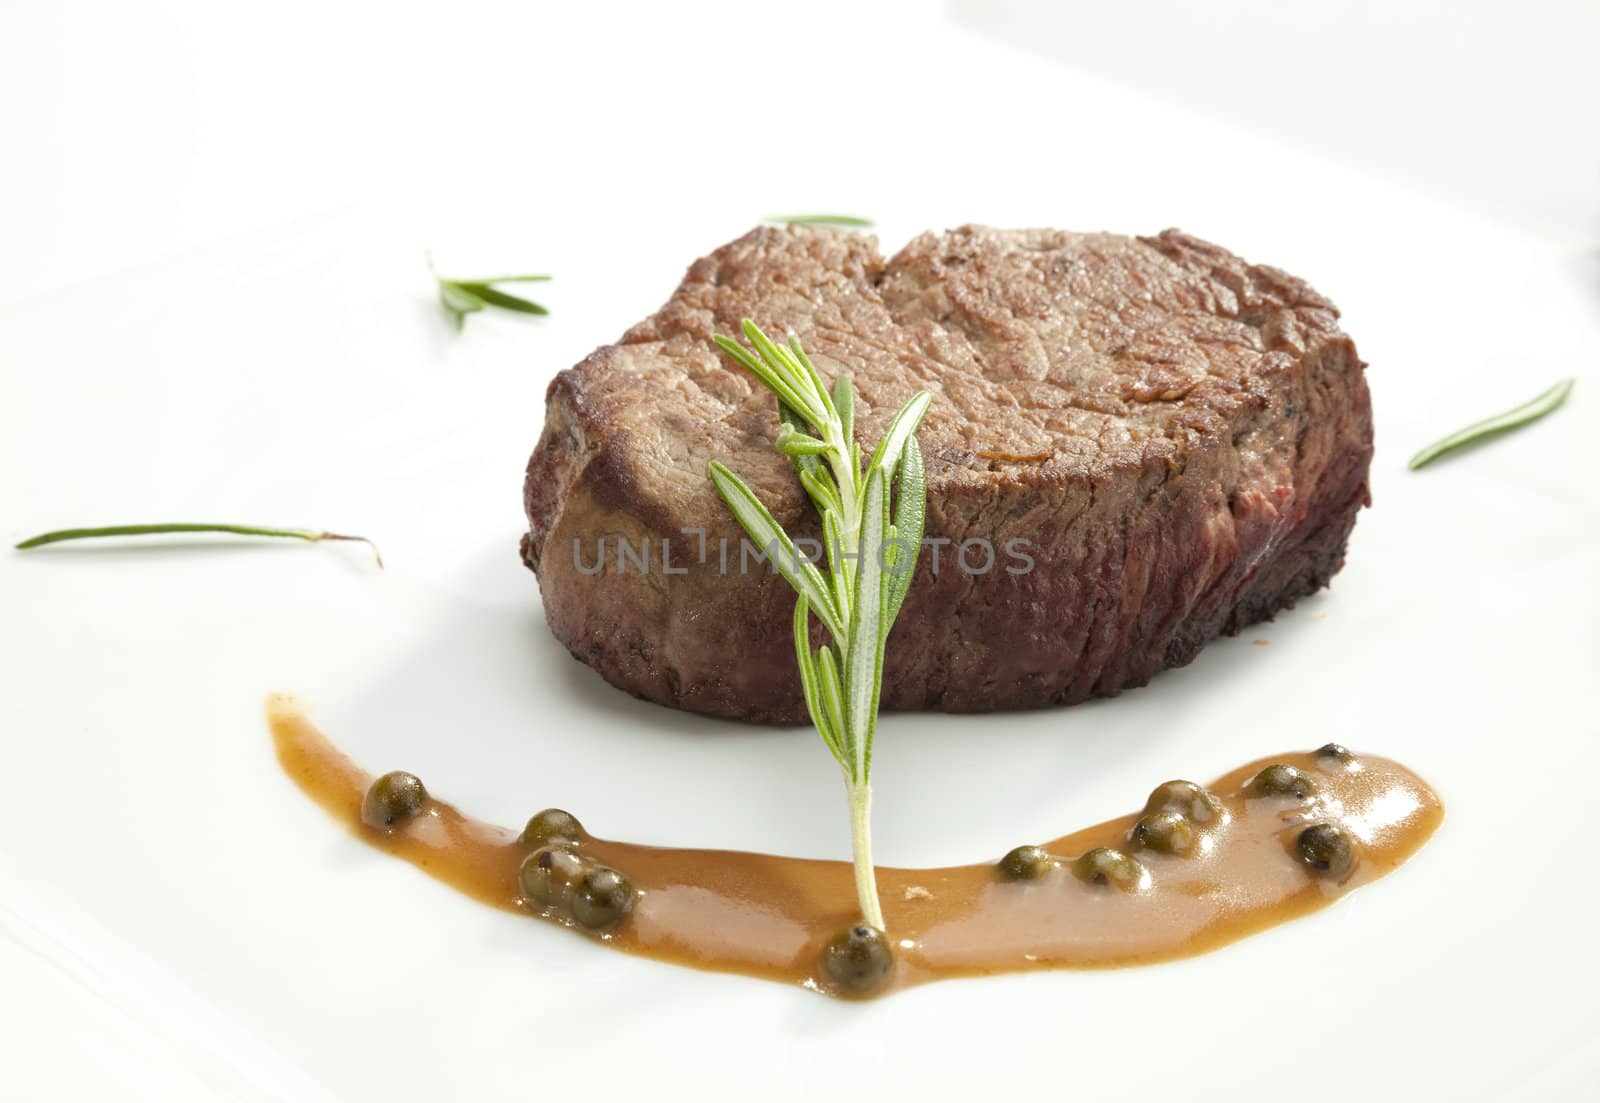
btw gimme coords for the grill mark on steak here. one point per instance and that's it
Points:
(1182, 437)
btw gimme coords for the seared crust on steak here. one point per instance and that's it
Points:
(1180, 440)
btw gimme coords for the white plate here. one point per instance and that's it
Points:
(224, 935)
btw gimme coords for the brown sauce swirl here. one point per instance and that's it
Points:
(1240, 863)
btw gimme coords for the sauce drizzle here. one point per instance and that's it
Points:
(768, 916)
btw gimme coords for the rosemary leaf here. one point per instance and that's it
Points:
(863, 661)
(507, 279)
(1529, 411)
(910, 511)
(502, 300)
(901, 429)
(844, 400)
(462, 297)
(820, 485)
(821, 219)
(775, 376)
(833, 540)
(808, 386)
(768, 534)
(810, 681)
(799, 356)
(795, 422)
(309, 535)
(827, 669)
(798, 444)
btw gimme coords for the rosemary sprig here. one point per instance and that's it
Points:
(463, 297)
(821, 219)
(310, 535)
(1529, 411)
(872, 538)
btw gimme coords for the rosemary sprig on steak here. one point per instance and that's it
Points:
(1514, 418)
(310, 535)
(462, 297)
(872, 538)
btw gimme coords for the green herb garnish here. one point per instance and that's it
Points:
(872, 546)
(463, 297)
(821, 219)
(310, 535)
(1494, 426)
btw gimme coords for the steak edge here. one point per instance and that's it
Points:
(1179, 441)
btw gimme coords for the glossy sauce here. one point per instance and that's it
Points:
(769, 916)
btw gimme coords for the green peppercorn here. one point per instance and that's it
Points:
(1026, 863)
(1105, 866)
(1187, 798)
(551, 826)
(601, 898)
(857, 961)
(1281, 780)
(1326, 849)
(392, 799)
(547, 876)
(1164, 832)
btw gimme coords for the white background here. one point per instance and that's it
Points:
(213, 305)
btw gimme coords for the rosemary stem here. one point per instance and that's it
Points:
(861, 845)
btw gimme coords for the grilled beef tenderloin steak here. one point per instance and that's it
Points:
(1177, 441)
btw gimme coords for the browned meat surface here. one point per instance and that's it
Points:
(1176, 439)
